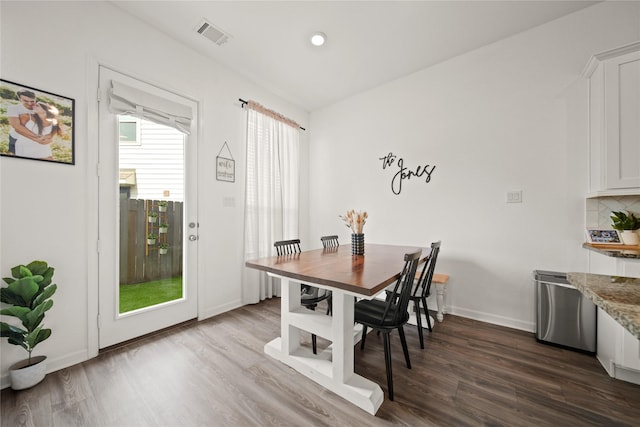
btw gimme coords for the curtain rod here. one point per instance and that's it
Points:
(246, 102)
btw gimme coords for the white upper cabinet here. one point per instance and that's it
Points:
(614, 121)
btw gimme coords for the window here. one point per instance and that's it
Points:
(129, 130)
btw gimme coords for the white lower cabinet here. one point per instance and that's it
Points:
(617, 350)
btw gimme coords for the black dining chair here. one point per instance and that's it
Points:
(310, 296)
(330, 241)
(385, 316)
(287, 247)
(422, 289)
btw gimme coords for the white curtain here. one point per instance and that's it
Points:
(272, 201)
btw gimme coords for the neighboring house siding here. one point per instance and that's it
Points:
(158, 160)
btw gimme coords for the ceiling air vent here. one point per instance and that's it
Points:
(214, 34)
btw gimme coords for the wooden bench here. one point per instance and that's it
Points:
(440, 278)
(440, 281)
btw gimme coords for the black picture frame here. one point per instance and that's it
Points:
(52, 119)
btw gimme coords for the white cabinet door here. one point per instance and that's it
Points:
(614, 121)
(608, 341)
(622, 120)
(630, 357)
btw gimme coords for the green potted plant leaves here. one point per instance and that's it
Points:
(28, 295)
(162, 206)
(164, 247)
(151, 239)
(153, 216)
(163, 227)
(627, 223)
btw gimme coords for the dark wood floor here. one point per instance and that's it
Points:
(214, 373)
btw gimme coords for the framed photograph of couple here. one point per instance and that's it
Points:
(35, 124)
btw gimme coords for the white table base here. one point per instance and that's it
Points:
(332, 368)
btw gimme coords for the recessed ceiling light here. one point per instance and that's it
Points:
(318, 39)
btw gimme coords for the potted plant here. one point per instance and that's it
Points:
(28, 295)
(153, 216)
(164, 247)
(627, 223)
(162, 206)
(151, 239)
(163, 227)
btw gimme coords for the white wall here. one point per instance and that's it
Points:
(508, 116)
(48, 211)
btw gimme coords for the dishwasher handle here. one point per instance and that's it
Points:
(562, 285)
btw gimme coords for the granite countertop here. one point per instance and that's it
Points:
(617, 251)
(617, 296)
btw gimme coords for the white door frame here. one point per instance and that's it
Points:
(93, 133)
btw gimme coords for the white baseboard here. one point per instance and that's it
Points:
(492, 318)
(214, 311)
(607, 364)
(53, 365)
(627, 374)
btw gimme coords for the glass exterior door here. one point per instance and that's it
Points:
(147, 263)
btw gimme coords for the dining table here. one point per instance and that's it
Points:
(348, 277)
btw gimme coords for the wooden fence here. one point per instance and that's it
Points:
(140, 261)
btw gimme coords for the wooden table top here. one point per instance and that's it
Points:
(365, 274)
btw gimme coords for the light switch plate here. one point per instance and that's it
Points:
(514, 196)
(229, 202)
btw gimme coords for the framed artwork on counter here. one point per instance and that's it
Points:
(603, 237)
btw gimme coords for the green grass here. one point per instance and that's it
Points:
(140, 295)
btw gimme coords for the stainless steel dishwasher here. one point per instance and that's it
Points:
(564, 316)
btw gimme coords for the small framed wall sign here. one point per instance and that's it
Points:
(603, 237)
(36, 124)
(225, 166)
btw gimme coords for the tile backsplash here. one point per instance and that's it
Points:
(598, 210)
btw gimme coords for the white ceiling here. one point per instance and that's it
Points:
(369, 42)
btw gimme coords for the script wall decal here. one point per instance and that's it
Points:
(404, 172)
